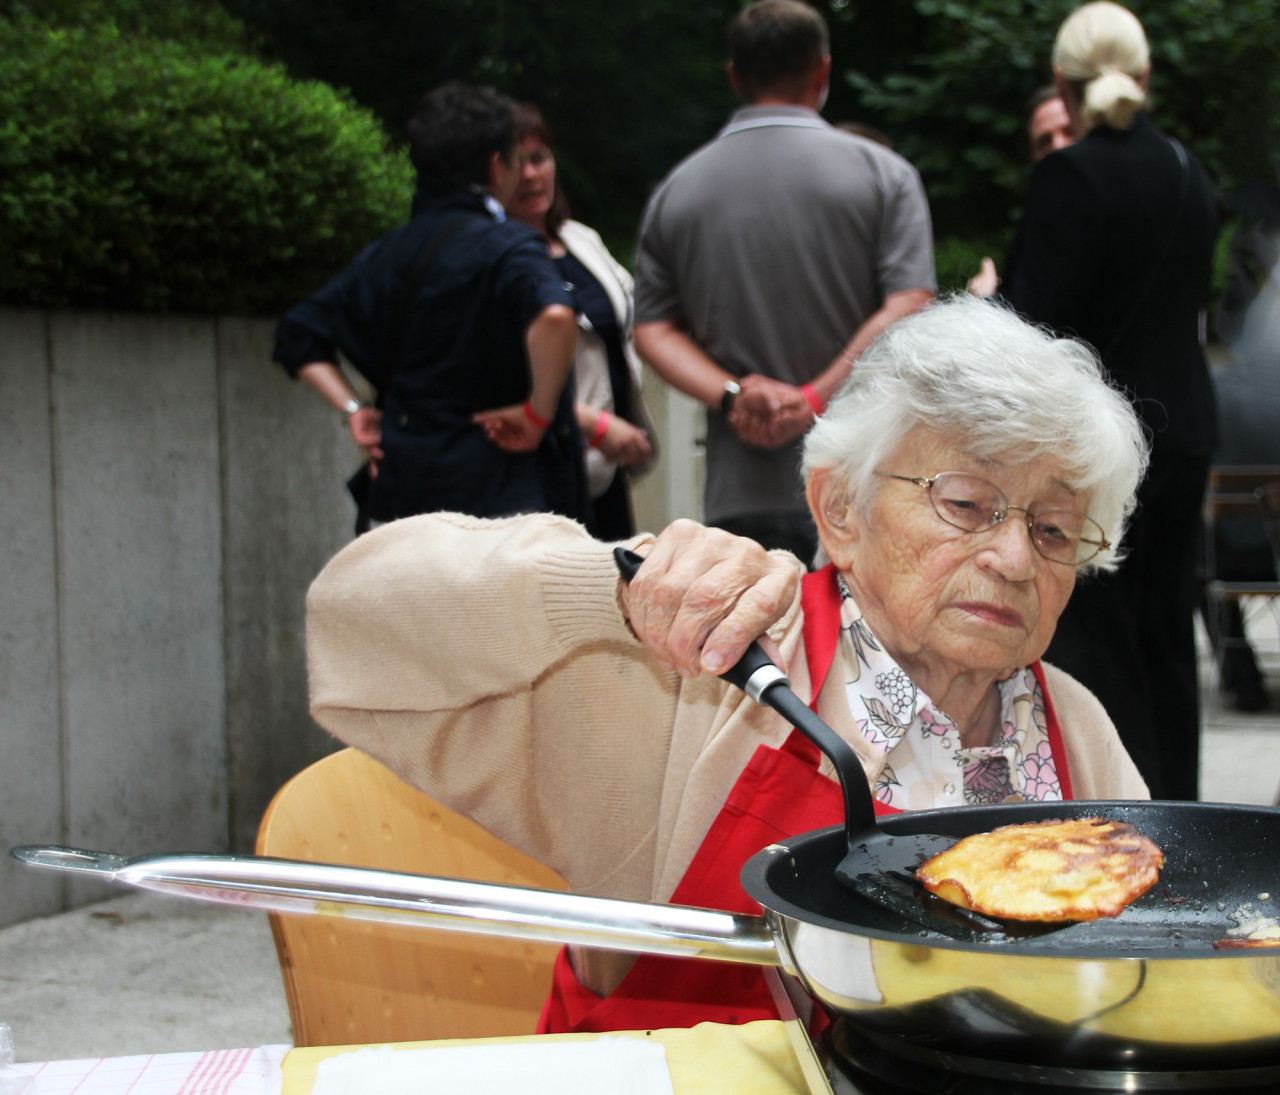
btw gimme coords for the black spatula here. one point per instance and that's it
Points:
(879, 866)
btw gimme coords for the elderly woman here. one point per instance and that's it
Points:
(969, 469)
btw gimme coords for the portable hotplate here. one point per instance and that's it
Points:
(858, 1062)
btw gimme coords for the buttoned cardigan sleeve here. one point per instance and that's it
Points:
(488, 663)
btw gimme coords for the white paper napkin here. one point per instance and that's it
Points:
(627, 1066)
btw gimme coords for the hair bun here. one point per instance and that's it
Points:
(1112, 98)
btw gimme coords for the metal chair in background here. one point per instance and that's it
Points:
(358, 982)
(1269, 502)
(1233, 499)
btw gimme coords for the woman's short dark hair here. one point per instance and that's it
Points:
(775, 42)
(531, 123)
(455, 132)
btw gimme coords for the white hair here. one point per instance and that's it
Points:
(1102, 48)
(1005, 388)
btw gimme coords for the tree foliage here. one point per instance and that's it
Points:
(631, 88)
(950, 81)
(142, 172)
(195, 22)
(159, 97)
(627, 88)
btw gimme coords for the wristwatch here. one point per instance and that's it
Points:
(731, 390)
(351, 406)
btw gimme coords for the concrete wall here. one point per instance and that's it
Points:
(166, 497)
(30, 713)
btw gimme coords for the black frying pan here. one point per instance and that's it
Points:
(1152, 989)
(1149, 989)
(1145, 990)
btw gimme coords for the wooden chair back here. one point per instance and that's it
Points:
(353, 982)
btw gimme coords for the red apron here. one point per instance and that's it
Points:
(779, 794)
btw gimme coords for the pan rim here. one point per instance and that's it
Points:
(758, 870)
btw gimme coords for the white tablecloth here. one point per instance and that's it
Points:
(214, 1072)
(759, 1058)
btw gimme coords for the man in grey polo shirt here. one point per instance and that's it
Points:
(768, 260)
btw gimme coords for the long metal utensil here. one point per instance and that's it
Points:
(392, 897)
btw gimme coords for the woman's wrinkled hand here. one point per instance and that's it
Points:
(702, 595)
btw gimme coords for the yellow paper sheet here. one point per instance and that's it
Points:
(754, 1059)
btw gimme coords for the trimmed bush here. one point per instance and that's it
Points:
(140, 174)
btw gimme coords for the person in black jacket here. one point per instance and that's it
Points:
(1116, 248)
(461, 322)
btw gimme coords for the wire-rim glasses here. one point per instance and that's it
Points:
(973, 504)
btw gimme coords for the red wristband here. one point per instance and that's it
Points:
(813, 399)
(602, 427)
(534, 417)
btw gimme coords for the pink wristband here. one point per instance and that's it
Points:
(812, 398)
(534, 417)
(602, 427)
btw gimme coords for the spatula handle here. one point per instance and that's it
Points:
(859, 810)
(756, 674)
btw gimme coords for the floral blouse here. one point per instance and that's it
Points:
(925, 765)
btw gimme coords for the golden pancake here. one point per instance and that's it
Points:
(1078, 869)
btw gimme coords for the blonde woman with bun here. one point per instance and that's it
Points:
(1101, 59)
(1116, 248)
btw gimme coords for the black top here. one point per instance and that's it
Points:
(1091, 260)
(462, 350)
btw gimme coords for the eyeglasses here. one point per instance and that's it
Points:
(973, 504)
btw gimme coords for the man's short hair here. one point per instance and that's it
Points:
(776, 42)
(455, 132)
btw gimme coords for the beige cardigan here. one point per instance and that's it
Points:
(488, 663)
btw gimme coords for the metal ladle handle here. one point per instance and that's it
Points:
(756, 674)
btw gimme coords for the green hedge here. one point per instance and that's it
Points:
(139, 173)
